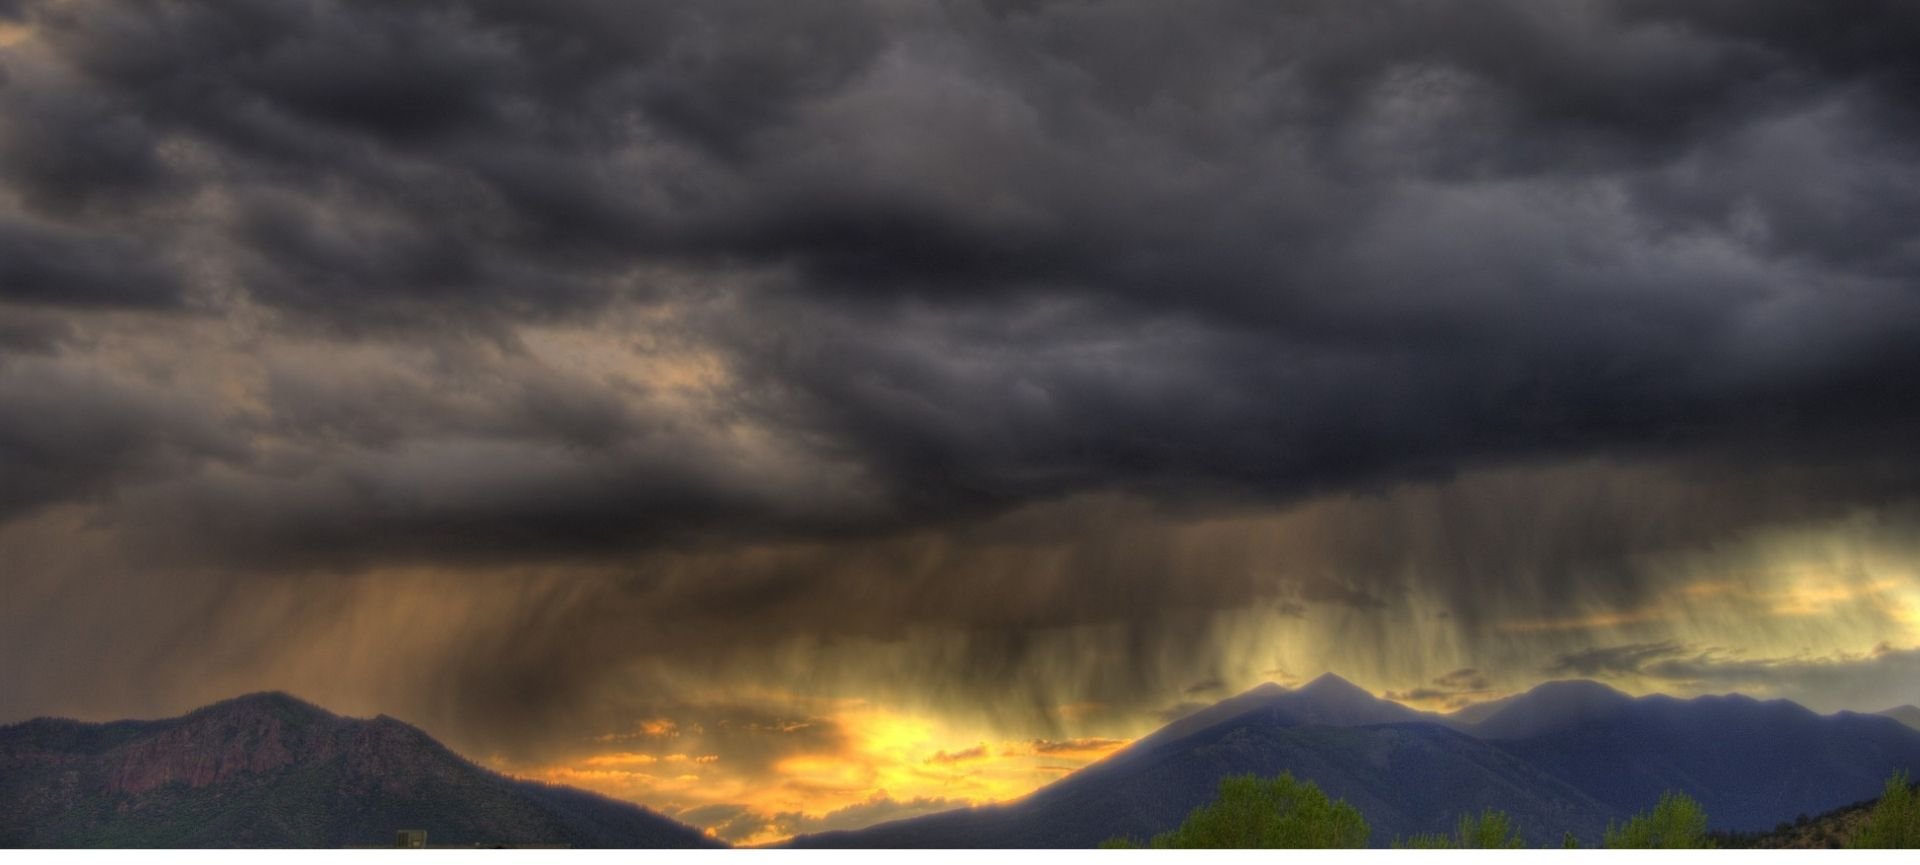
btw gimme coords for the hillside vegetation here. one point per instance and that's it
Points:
(1891, 821)
(1284, 812)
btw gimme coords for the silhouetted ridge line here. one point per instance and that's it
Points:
(271, 770)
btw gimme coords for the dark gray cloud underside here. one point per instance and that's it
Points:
(956, 261)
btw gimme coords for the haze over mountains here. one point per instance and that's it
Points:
(270, 770)
(1908, 715)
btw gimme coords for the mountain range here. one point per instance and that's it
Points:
(1565, 756)
(268, 770)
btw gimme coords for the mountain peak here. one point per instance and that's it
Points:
(1326, 678)
(1326, 700)
(1333, 701)
(277, 701)
(1579, 688)
(1330, 685)
(1550, 705)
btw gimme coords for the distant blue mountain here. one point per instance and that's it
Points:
(1551, 706)
(1751, 763)
(1328, 700)
(1566, 756)
(1908, 715)
(1402, 768)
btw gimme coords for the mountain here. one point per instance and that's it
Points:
(1549, 706)
(1406, 773)
(1908, 715)
(1328, 700)
(268, 770)
(1467, 716)
(1333, 701)
(1566, 756)
(1750, 763)
(1834, 829)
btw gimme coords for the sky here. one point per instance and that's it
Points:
(792, 416)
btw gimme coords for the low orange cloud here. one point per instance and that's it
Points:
(622, 758)
(659, 728)
(977, 752)
(1588, 622)
(883, 758)
(1089, 746)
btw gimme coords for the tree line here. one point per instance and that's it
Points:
(1253, 812)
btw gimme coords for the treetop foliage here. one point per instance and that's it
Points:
(1251, 812)
(1676, 823)
(1488, 830)
(1895, 821)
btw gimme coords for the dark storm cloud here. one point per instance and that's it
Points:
(1334, 243)
(71, 435)
(1614, 660)
(917, 268)
(41, 266)
(432, 161)
(32, 333)
(1452, 690)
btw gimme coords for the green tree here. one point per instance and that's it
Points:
(1489, 830)
(1677, 823)
(1250, 812)
(1568, 842)
(1895, 821)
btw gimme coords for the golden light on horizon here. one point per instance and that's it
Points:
(889, 757)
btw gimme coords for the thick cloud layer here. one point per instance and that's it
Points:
(989, 357)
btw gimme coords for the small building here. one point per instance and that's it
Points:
(410, 839)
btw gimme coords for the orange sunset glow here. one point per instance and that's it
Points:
(891, 766)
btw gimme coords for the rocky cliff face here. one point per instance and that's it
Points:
(212, 748)
(270, 770)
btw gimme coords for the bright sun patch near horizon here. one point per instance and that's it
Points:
(892, 766)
